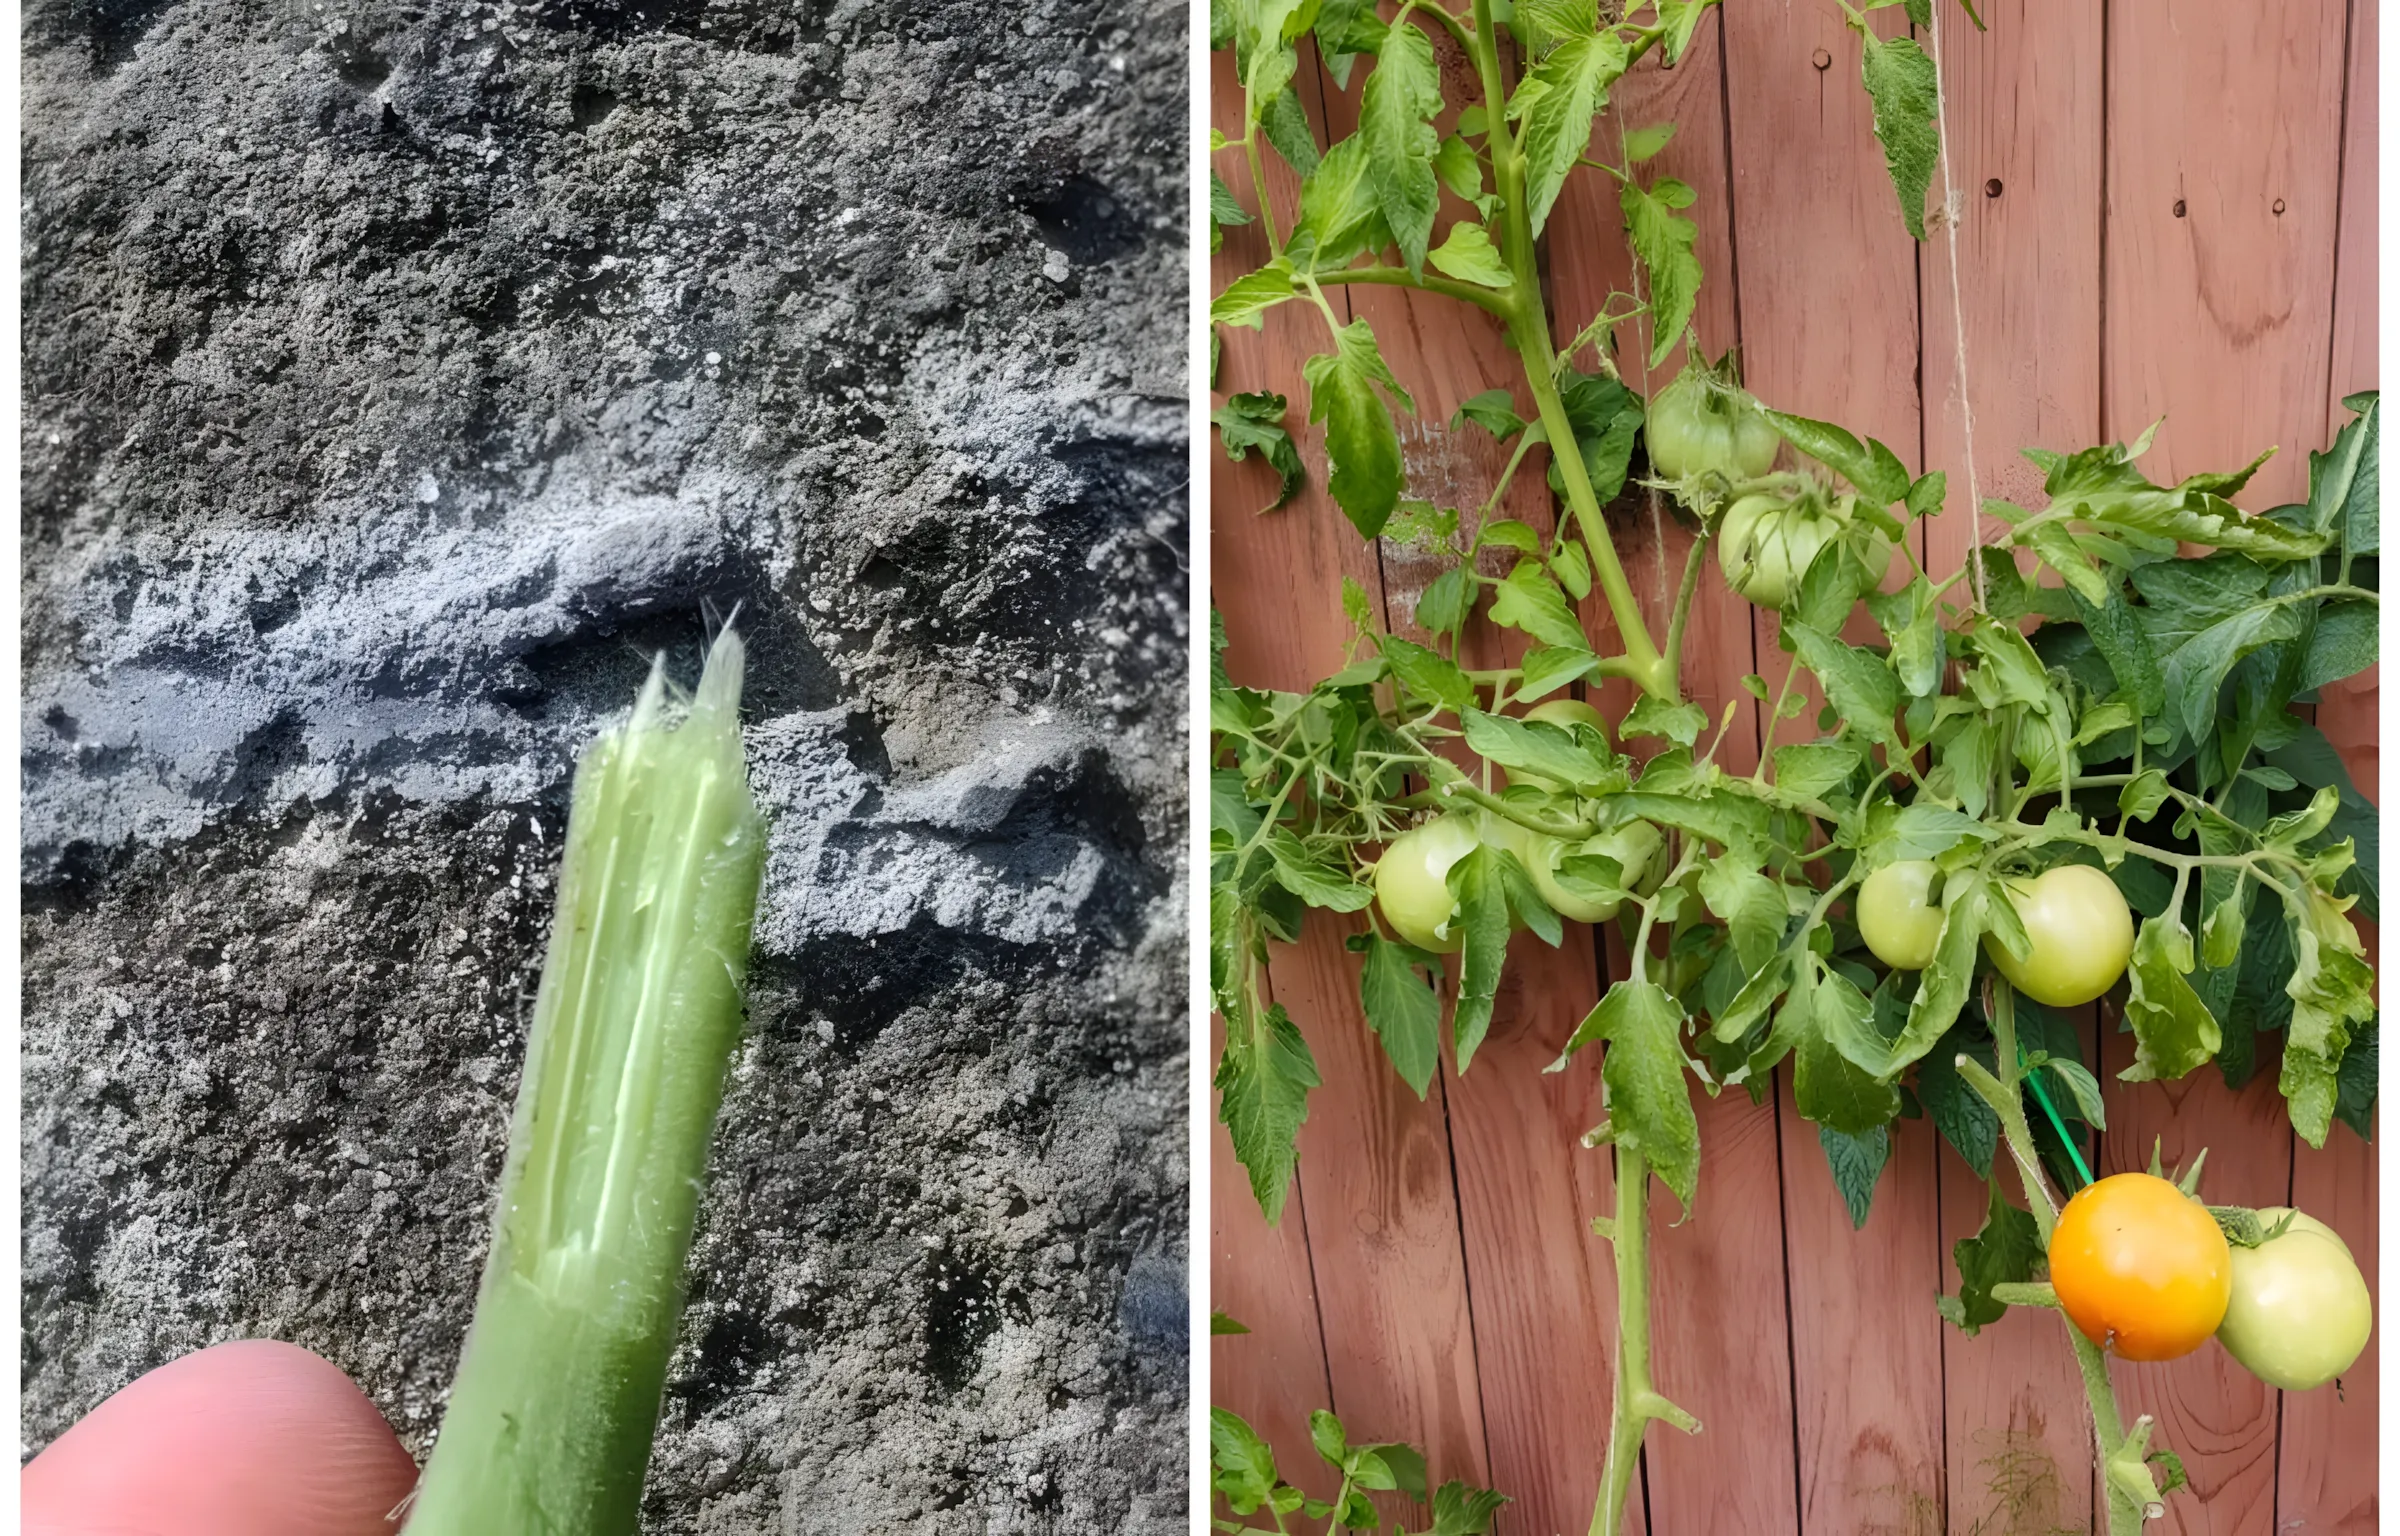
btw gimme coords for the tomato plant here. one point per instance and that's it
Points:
(2299, 1312)
(1244, 1478)
(2120, 732)
(2141, 1267)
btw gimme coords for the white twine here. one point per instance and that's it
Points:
(1954, 207)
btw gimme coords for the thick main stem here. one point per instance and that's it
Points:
(551, 1414)
(1637, 1402)
(1529, 333)
(1631, 1244)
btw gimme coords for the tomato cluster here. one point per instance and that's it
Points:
(2144, 1269)
(1412, 887)
(2078, 929)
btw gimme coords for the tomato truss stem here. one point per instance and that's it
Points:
(2131, 1488)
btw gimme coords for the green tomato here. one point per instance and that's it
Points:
(1696, 427)
(1634, 846)
(1897, 915)
(2301, 1222)
(1766, 543)
(1412, 881)
(2081, 933)
(2300, 1312)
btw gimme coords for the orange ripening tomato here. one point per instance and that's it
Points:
(2141, 1267)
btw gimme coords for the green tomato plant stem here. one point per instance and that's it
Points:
(2131, 1490)
(1636, 1402)
(557, 1393)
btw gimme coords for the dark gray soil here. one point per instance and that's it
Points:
(398, 378)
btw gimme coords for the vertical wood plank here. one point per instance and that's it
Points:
(1374, 1160)
(2355, 284)
(1274, 1375)
(1828, 298)
(2025, 135)
(2224, 136)
(2327, 1472)
(1866, 1342)
(2024, 116)
(2019, 1431)
(2218, 1417)
(1545, 1290)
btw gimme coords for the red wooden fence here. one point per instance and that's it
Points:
(2169, 210)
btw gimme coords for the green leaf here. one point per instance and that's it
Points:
(1535, 747)
(1956, 1109)
(2003, 1253)
(1649, 1101)
(1249, 296)
(2342, 484)
(2063, 554)
(1943, 986)
(1559, 100)
(2343, 644)
(1461, 1510)
(1459, 168)
(1219, 1324)
(1247, 422)
(1428, 675)
(1285, 123)
(1224, 211)
(1642, 143)
(1495, 411)
(2331, 992)
(2194, 672)
(1813, 770)
(1548, 667)
(2354, 1104)
(1341, 211)
(1901, 80)
(1395, 120)
(1666, 247)
(1469, 255)
(2173, 1030)
(1829, 1087)
(1529, 600)
(1681, 18)
(1857, 1164)
(2084, 1087)
(1751, 905)
(1442, 607)
(1876, 472)
(1605, 417)
(2118, 635)
(1477, 885)
(1262, 1096)
(1241, 1467)
(1652, 716)
(1318, 884)
(1361, 443)
(1857, 683)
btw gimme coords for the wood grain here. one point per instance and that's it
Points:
(2023, 104)
(2224, 138)
(2218, 1417)
(1828, 302)
(1274, 1375)
(1866, 1340)
(1374, 1159)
